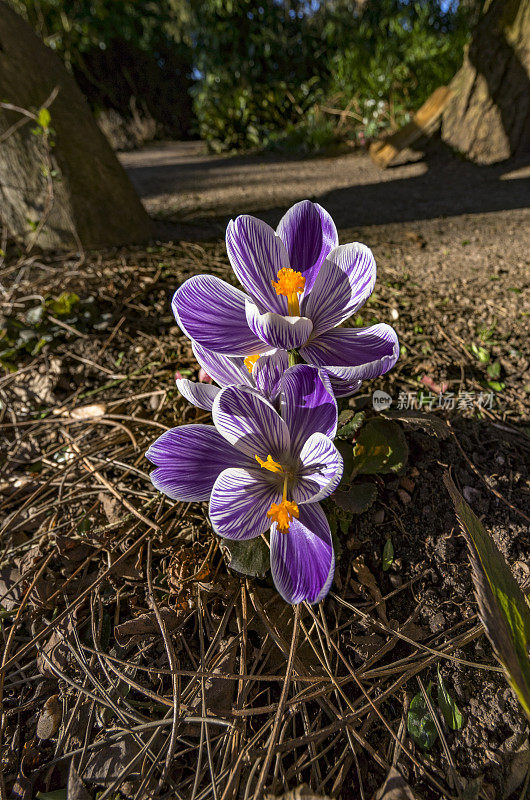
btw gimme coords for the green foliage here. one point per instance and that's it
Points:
(26, 334)
(451, 713)
(503, 608)
(250, 557)
(276, 74)
(420, 723)
(44, 118)
(263, 67)
(388, 555)
(124, 55)
(380, 447)
(392, 58)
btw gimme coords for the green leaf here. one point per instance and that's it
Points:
(380, 448)
(349, 423)
(250, 557)
(481, 353)
(44, 118)
(420, 724)
(503, 607)
(497, 386)
(494, 370)
(448, 707)
(388, 555)
(357, 498)
(63, 304)
(57, 794)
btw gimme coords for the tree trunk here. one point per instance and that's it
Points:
(489, 117)
(73, 192)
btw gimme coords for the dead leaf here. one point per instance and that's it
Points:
(365, 577)
(147, 625)
(107, 763)
(8, 578)
(112, 508)
(76, 789)
(56, 649)
(219, 692)
(395, 788)
(302, 792)
(49, 718)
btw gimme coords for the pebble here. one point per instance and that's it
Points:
(404, 496)
(470, 494)
(394, 313)
(407, 484)
(437, 623)
(379, 516)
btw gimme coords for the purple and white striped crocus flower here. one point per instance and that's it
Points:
(301, 285)
(262, 469)
(262, 374)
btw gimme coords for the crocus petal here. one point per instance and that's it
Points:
(225, 370)
(307, 404)
(284, 333)
(257, 255)
(268, 371)
(249, 422)
(344, 283)
(212, 313)
(300, 229)
(198, 394)
(302, 560)
(189, 459)
(320, 472)
(351, 355)
(342, 387)
(239, 503)
(330, 237)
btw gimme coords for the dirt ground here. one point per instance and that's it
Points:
(107, 587)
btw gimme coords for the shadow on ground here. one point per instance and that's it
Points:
(180, 184)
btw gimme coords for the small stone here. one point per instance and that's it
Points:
(404, 496)
(379, 516)
(470, 494)
(407, 484)
(437, 623)
(396, 581)
(394, 313)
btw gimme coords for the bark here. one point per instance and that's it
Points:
(90, 201)
(488, 119)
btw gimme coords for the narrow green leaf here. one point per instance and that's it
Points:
(448, 707)
(250, 557)
(503, 608)
(420, 724)
(388, 555)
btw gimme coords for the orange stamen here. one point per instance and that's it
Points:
(250, 361)
(269, 464)
(283, 513)
(290, 283)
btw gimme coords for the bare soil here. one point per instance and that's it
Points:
(106, 586)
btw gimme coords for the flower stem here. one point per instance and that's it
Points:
(294, 357)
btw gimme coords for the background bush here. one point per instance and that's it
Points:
(299, 74)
